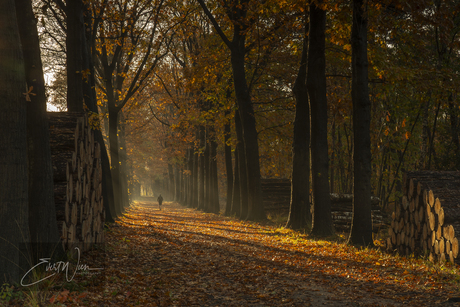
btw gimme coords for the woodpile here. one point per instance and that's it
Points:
(427, 219)
(342, 213)
(276, 194)
(277, 198)
(77, 171)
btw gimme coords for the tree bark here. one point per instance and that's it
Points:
(236, 198)
(242, 170)
(361, 228)
(454, 128)
(115, 157)
(229, 169)
(201, 171)
(124, 167)
(207, 172)
(214, 178)
(171, 186)
(195, 174)
(42, 214)
(89, 94)
(299, 211)
(237, 12)
(316, 83)
(177, 190)
(14, 211)
(74, 24)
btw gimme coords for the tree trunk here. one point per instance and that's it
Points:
(425, 136)
(248, 122)
(171, 186)
(316, 83)
(299, 212)
(237, 12)
(115, 157)
(176, 183)
(454, 128)
(236, 193)
(42, 213)
(14, 211)
(190, 178)
(89, 94)
(361, 228)
(229, 169)
(207, 171)
(74, 24)
(195, 175)
(215, 206)
(123, 162)
(201, 175)
(242, 170)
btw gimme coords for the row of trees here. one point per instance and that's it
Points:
(230, 68)
(365, 130)
(170, 80)
(236, 56)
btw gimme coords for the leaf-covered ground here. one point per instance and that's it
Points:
(184, 257)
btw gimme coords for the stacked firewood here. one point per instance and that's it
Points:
(342, 213)
(77, 174)
(277, 198)
(427, 219)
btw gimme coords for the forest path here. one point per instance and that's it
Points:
(184, 257)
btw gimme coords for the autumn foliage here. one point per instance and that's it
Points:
(184, 257)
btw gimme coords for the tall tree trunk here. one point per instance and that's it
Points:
(171, 186)
(256, 209)
(176, 183)
(190, 177)
(332, 162)
(425, 136)
(236, 193)
(215, 206)
(431, 151)
(74, 24)
(14, 206)
(89, 94)
(207, 171)
(229, 169)
(242, 171)
(316, 83)
(42, 212)
(202, 167)
(454, 129)
(115, 158)
(361, 227)
(124, 167)
(237, 12)
(195, 174)
(299, 212)
(201, 174)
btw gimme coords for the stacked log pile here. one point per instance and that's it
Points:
(277, 199)
(427, 219)
(342, 212)
(276, 194)
(77, 171)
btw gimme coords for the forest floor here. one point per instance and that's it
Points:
(184, 257)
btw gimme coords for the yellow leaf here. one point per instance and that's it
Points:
(407, 135)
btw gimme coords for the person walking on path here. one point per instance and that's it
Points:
(160, 201)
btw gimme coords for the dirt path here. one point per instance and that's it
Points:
(183, 257)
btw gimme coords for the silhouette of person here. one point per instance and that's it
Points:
(160, 200)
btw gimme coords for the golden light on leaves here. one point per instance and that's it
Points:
(187, 257)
